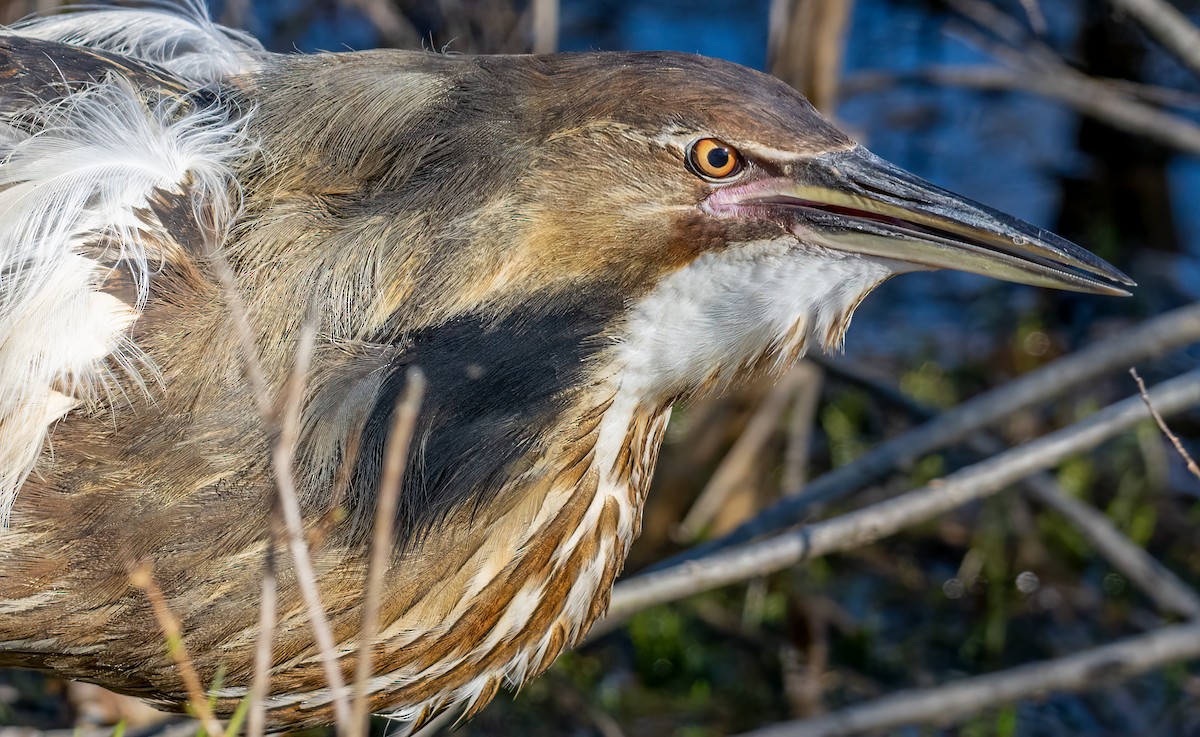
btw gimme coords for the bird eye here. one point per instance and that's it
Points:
(711, 159)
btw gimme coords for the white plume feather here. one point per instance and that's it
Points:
(74, 172)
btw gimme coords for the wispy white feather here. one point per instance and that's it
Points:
(73, 172)
(177, 37)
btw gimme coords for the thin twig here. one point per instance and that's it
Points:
(1169, 26)
(399, 440)
(953, 701)
(871, 523)
(261, 681)
(240, 315)
(143, 578)
(1151, 338)
(282, 455)
(1162, 425)
(996, 23)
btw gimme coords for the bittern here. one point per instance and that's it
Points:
(566, 245)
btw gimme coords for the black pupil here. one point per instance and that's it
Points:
(718, 158)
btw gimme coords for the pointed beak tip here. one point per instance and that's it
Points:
(862, 203)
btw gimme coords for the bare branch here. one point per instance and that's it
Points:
(1151, 338)
(871, 523)
(951, 702)
(993, 21)
(1162, 425)
(1036, 68)
(404, 420)
(990, 78)
(1110, 102)
(1168, 25)
(1169, 592)
(1158, 582)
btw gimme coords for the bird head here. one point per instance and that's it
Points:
(741, 223)
(525, 227)
(705, 211)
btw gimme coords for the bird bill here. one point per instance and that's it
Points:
(854, 201)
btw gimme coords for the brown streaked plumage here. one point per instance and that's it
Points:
(535, 232)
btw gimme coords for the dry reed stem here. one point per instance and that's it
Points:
(545, 26)
(143, 577)
(1162, 425)
(800, 428)
(738, 462)
(399, 441)
(282, 452)
(806, 41)
(261, 681)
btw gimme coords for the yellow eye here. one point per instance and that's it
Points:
(711, 158)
